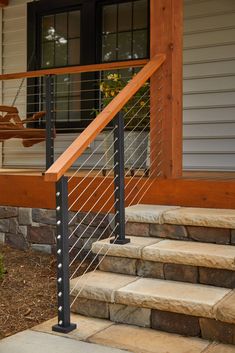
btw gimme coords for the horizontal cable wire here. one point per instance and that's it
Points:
(102, 180)
(92, 233)
(100, 160)
(103, 142)
(130, 168)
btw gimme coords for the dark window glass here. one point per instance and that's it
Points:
(124, 46)
(109, 19)
(60, 46)
(125, 31)
(140, 15)
(60, 42)
(109, 52)
(48, 28)
(125, 17)
(140, 44)
(74, 24)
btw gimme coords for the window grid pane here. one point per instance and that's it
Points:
(125, 31)
(60, 46)
(58, 30)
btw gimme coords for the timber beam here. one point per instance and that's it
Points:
(33, 192)
(166, 95)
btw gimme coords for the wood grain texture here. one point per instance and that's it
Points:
(75, 69)
(74, 151)
(192, 193)
(167, 37)
(32, 191)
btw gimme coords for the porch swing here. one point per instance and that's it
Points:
(11, 125)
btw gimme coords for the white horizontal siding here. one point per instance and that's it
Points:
(209, 85)
(208, 69)
(17, 155)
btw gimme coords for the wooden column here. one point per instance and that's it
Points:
(166, 126)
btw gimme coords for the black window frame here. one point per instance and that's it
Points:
(100, 5)
(90, 43)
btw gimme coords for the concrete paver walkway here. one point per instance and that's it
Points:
(38, 342)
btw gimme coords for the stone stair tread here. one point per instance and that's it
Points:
(171, 251)
(192, 216)
(191, 253)
(179, 297)
(147, 213)
(99, 285)
(130, 250)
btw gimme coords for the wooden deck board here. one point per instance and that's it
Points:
(206, 175)
(27, 188)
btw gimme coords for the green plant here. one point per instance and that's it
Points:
(2, 270)
(136, 111)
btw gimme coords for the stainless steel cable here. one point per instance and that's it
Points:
(79, 252)
(101, 157)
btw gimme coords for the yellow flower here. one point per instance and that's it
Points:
(112, 93)
(116, 77)
(142, 103)
(102, 85)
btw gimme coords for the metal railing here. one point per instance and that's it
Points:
(90, 204)
(48, 109)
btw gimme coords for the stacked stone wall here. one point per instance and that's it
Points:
(25, 228)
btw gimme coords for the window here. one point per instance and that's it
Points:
(125, 31)
(73, 32)
(60, 39)
(60, 46)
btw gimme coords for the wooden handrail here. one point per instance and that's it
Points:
(74, 151)
(75, 69)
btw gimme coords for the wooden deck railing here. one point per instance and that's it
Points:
(66, 160)
(69, 191)
(75, 69)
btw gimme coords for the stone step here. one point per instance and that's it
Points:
(160, 214)
(183, 223)
(192, 262)
(176, 307)
(130, 338)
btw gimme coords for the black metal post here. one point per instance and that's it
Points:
(64, 324)
(49, 121)
(119, 181)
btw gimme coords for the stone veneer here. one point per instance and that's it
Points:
(168, 271)
(182, 324)
(26, 228)
(215, 235)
